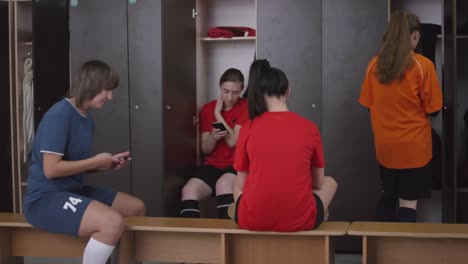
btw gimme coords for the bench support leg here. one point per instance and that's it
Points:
(125, 252)
(253, 249)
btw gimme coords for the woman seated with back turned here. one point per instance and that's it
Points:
(280, 183)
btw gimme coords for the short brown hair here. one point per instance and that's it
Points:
(93, 77)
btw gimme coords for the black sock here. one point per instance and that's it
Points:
(407, 215)
(190, 209)
(224, 200)
(386, 209)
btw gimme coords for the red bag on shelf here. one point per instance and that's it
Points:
(229, 32)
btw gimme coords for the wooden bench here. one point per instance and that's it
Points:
(412, 242)
(221, 241)
(177, 240)
(18, 239)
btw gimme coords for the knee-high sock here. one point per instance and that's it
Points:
(96, 252)
(224, 200)
(407, 215)
(190, 209)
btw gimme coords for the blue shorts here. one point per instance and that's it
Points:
(62, 212)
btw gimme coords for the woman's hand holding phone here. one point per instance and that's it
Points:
(121, 160)
(218, 133)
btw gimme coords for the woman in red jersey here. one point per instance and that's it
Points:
(220, 121)
(280, 183)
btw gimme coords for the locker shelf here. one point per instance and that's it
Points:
(229, 39)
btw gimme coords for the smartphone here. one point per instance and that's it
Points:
(219, 125)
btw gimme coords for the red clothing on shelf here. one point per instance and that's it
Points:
(229, 32)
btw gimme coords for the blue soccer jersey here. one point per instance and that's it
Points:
(62, 131)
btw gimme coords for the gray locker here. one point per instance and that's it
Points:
(98, 31)
(290, 37)
(324, 47)
(162, 100)
(352, 32)
(153, 107)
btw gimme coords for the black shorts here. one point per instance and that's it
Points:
(318, 204)
(210, 175)
(320, 211)
(407, 184)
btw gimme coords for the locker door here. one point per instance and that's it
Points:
(145, 71)
(50, 54)
(179, 99)
(163, 100)
(451, 117)
(98, 30)
(6, 202)
(352, 31)
(290, 37)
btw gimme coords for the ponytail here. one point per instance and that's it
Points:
(264, 80)
(395, 55)
(256, 100)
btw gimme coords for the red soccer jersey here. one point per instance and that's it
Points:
(222, 156)
(277, 150)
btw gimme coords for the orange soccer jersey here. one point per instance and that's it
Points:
(402, 129)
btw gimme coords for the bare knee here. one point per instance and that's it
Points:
(111, 226)
(138, 208)
(189, 192)
(333, 184)
(195, 189)
(327, 192)
(225, 184)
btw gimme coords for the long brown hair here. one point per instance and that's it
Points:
(395, 55)
(93, 77)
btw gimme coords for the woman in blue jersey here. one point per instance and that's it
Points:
(56, 199)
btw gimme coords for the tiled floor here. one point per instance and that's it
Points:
(348, 259)
(339, 259)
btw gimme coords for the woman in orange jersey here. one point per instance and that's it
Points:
(401, 90)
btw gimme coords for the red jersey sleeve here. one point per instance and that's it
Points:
(206, 119)
(241, 158)
(318, 159)
(244, 115)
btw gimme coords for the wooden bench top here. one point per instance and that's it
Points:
(13, 220)
(417, 230)
(220, 226)
(192, 225)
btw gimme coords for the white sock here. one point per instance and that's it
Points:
(96, 252)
